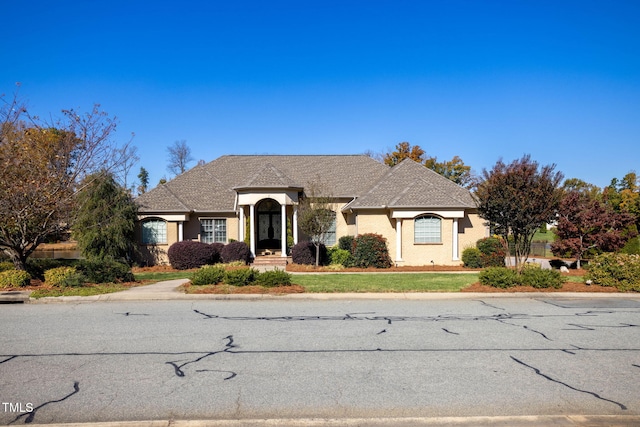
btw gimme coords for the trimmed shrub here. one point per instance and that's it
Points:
(471, 258)
(189, 254)
(236, 251)
(63, 277)
(498, 277)
(105, 271)
(217, 252)
(241, 277)
(270, 279)
(208, 275)
(6, 265)
(305, 253)
(539, 278)
(346, 243)
(492, 251)
(370, 250)
(339, 256)
(14, 279)
(621, 271)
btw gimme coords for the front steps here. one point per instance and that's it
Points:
(270, 262)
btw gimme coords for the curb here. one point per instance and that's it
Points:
(515, 421)
(417, 296)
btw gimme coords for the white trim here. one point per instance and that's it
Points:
(454, 238)
(241, 226)
(167, 217)
(294, 224)
(415, 213)
(399, 240)
(283, 227)
(252, 229)
(180, 231)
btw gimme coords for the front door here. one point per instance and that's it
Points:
(269, 224)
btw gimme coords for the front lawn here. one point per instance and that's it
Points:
(385, 282)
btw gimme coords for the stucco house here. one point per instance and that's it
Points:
(426, 218)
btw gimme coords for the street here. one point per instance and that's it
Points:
(207, 360)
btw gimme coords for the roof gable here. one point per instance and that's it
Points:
(409, 185)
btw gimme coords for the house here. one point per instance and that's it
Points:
(426, 218)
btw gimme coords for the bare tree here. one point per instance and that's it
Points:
(179, 157)
(42, 168)
(315, 215)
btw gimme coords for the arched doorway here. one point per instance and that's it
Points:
(269, 224)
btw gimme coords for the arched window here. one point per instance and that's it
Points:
(154, 231)
(427, 229)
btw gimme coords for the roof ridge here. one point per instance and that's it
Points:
(166, 187)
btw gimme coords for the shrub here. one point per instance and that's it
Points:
(370, 250)
(208, 275)
(241, 276)
(217, 252)
(621, 271)
(498, 277)
(14, 279)
(236, 251)
(6, 265)
(346, 243)
(37, 266)
(339, 256)
(492, 251)
(305, 253)
(105, 271)
(471, 258)
(541, 279)
(270, 279)
(189, 254)
(63, 277)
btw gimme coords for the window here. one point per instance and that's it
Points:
(213, 230)
(154, 231)
(329, 238)
(427, 229)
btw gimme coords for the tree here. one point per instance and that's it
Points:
(315, 217)
(42, 166)
(129, 155)
(516, 199)
(179, 157)
(105, 218)
(404, 150)
(143, 176)
(585, 223)
(454, 170)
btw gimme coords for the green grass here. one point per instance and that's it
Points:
(82, 291)
(381, 282)
(161, 276)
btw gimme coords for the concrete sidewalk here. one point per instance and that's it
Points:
(168, 290)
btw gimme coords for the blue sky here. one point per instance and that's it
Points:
(483, 80)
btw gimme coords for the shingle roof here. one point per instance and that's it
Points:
(411, 185)
(212, 187)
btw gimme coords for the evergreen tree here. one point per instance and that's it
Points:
(105, 219)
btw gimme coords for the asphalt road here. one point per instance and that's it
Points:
(209, 360)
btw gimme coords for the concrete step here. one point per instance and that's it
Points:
(267, 263)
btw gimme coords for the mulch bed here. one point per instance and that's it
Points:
(567, 287)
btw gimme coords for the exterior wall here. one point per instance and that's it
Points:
(157, 254)
(470, 229)
(377, 221)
